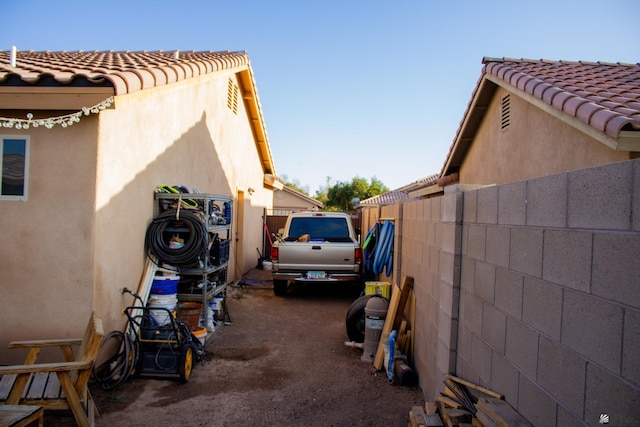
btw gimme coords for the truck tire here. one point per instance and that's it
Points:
(356, 318)
(279, 287)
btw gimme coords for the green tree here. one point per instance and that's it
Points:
(295, 184)
(341, 195)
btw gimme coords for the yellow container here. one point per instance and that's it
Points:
(378, 288)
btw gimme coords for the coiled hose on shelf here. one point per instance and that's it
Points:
(184, 255)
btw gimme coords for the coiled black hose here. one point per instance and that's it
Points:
(158, 238)
(118, 367)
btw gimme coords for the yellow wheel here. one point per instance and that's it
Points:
(186, 363)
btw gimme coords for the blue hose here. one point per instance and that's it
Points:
(392, 350)
(384, 249)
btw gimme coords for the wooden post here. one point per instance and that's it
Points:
(394, 315)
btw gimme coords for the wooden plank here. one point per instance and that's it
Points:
(430, 407)
(20, 415)
(6, 382)
(416, 416)
(405, 292)
(386, 328)
(449, 393)
(445, 400)
(444, 414)
(475, 387)
(395, 309)
(433, 420)
(38, 384)
(501, 413)
(458, 416)
(53, 390)
(144, 287)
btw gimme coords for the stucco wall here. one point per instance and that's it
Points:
(46, 253)
(531, 289)
(178, 134)
(79, 239)
(535, 144)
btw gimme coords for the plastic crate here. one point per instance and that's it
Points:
(219, 252)
(378, 288)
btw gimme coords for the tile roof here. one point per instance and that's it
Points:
(402, 193)
(597, 95)
(603, 95)
(126, 71)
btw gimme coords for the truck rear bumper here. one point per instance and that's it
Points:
(331, 277)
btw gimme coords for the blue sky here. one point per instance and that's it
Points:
(348, 88)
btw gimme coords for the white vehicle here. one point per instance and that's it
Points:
(316, 247)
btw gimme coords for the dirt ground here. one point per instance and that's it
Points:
(281, 361)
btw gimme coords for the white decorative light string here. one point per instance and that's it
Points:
(64, 121)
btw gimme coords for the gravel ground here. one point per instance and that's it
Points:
(281, 361)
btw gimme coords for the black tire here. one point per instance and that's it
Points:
(356, 318)
(279, 287)
(186, 363)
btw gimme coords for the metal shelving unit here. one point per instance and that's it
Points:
(207, 205)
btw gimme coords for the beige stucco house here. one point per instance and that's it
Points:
(90, 135)
(532, 118)
(287, 200)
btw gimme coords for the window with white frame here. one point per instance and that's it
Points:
(14, 164)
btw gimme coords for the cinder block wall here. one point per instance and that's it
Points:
(550, 294)
(532, 289)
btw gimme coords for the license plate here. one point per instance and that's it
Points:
(316, 275)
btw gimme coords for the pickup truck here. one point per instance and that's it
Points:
(316, 247)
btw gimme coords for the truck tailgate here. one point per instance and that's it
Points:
(317, 256)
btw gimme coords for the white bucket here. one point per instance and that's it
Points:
(267, 265)
(162, 317)
(201, 333)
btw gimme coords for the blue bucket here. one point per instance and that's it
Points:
(165, 285)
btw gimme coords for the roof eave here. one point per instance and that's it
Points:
(474, 114)
(250, 95)
(51, 97)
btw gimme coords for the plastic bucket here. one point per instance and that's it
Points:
(201, 333)
(165, 285)
(165, 305)
(189, 313)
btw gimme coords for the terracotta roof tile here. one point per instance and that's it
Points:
(603, 95)
(126, 71)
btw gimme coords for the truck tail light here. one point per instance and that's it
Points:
(274, 254)
(358, 256)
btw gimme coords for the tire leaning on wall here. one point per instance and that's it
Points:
(355, 319)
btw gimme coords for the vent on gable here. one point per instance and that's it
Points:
(232, 96)
(506, 112)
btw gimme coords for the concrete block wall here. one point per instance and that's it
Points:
(430, 252)
(550, 295)
(531, 289)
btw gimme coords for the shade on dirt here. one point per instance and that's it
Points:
(282, 361)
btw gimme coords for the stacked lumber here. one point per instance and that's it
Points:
(458, 407)
(395, 320)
